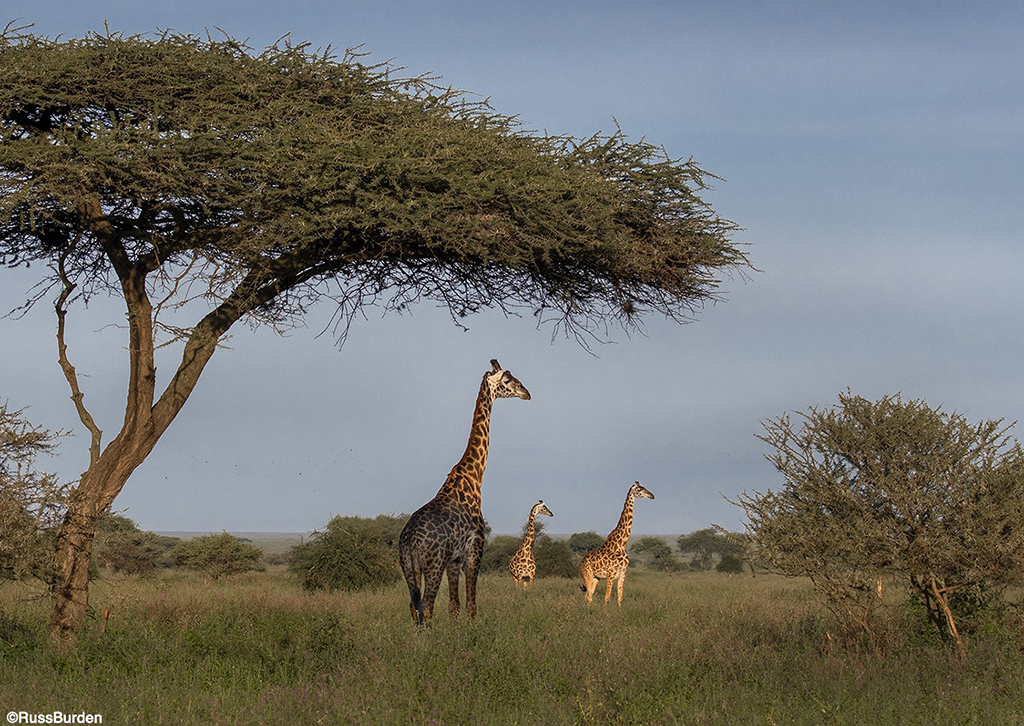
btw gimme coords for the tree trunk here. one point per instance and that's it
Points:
(95, 492)
(70, 589)
(940, 597)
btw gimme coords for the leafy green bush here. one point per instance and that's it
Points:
(350, 553)
(217, 555)
(498, 551)
(555, 558)
(583, 542)
(123, 547)
(32, 502)
(730, 564)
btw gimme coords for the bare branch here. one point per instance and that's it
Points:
(95, 434)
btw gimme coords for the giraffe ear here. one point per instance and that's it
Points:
(495, 365)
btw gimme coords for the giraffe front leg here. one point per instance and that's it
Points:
(471, 592)
(622, 580)
(608, 590)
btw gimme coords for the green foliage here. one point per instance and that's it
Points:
(554, 558)
(498, 551)
(583, 542)
(730, 564)
(656, 553)
(208, 153)
(350, 553)
(704, 544)
(32, 502)
(892, 488)
(217, 555)
(124, 548)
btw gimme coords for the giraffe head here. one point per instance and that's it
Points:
(637, 492)
(504, 384)
(541, 508)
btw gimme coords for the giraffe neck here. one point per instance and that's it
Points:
(474, 460)
(620, 535)
(530, 531)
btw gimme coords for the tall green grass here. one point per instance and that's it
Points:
(695, 648)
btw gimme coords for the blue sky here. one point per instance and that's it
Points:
(871, 151)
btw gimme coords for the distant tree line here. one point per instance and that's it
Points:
(355, 553)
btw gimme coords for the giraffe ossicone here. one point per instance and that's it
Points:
(609, 561)
(523, 566)
(446, 534)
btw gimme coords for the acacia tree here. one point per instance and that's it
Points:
(706, 543)
(892, 488)
(176, 171)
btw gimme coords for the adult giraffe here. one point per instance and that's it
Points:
(447, 532)
(610, 559)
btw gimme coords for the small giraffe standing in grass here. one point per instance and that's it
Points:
(610, 559)
(447, 532)
(522, 565)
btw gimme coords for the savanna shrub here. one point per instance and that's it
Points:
(217, 555)
(730, 564)
(583, 542)
(123, 547)
(555, 558)
(350, 553)
(498, 551)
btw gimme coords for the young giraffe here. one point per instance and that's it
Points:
(447, 532)
(522, 565)
(610, 559)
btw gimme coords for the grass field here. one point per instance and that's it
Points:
(694, 648)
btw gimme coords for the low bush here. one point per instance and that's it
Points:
(350, 553)
(217, 555)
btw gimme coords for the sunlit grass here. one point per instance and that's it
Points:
(687, 648)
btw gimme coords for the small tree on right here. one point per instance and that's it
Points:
(892, 488)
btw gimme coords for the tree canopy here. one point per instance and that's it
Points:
(268, 174)
(198, 177)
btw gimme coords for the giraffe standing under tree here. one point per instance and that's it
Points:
(447, 532)
(610, 559)
(522, 565)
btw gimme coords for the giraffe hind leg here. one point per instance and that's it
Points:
(413, 577)
(589, 581)
(416, 605)
(431, 584)
(454, 572)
